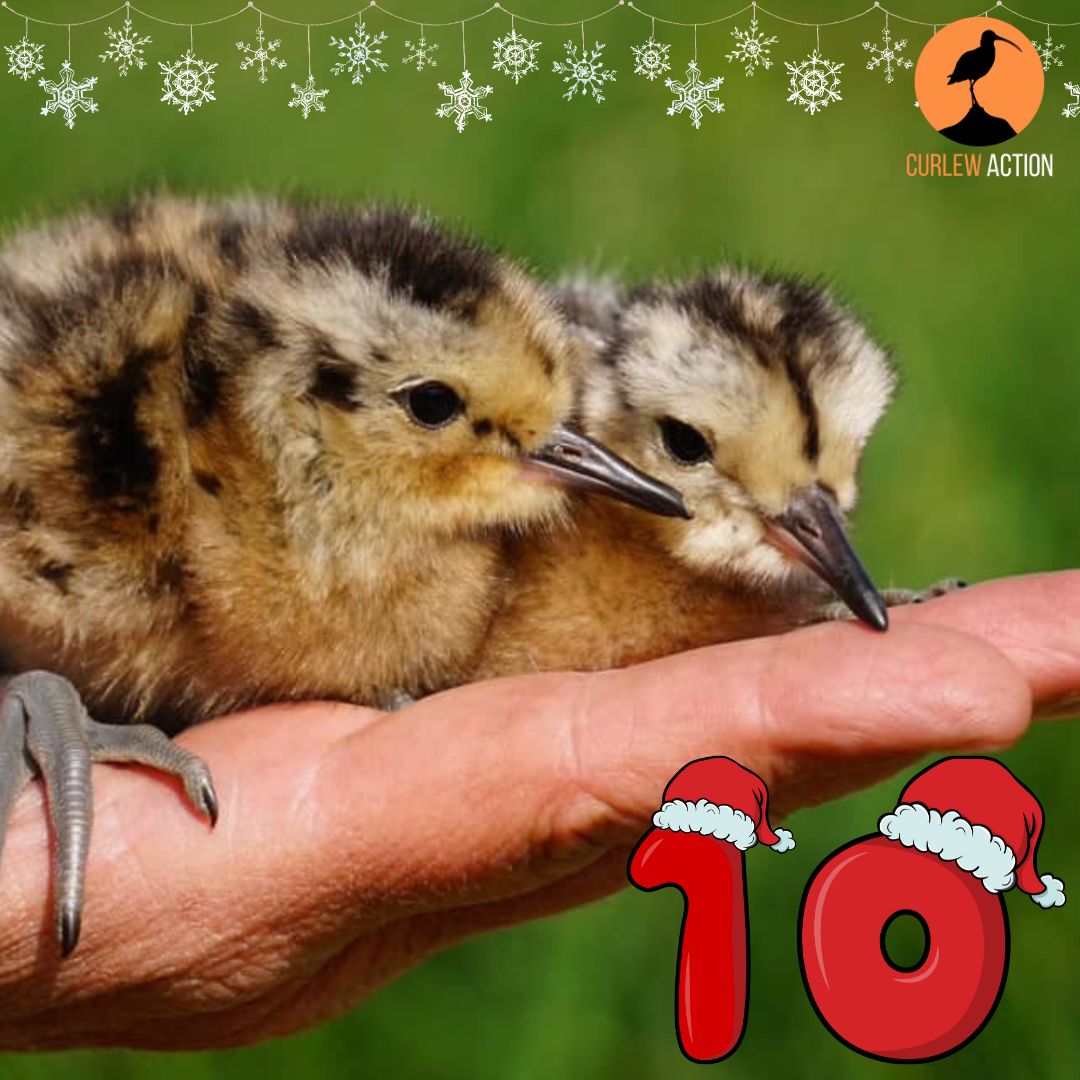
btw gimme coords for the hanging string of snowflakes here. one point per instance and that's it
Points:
(813, 81)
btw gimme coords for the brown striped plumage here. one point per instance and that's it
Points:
(208, 494)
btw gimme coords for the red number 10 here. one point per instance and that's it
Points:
(944, 865)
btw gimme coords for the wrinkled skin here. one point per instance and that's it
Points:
(352, 843)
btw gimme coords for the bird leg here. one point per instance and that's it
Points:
(974, 99)
(836, 610)
(46, 730)
(903, 597)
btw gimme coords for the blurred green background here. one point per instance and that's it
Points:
(972, 473)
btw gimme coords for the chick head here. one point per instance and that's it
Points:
(420, 375)
(755, 396)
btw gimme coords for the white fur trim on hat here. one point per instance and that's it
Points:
(785, 843)
(973, 848)
(723, 822)
(1053, 895)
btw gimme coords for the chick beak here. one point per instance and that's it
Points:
(577, 461)
(812, 531)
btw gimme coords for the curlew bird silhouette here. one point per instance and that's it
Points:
(976, 63)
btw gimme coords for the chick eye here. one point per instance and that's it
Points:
(431, 404)
(684, 443)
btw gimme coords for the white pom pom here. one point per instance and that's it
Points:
(785, 843)
(1053, 895)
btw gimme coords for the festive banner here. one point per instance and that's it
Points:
(814, 79)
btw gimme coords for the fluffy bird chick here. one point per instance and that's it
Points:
(246, 451)
(755, 396)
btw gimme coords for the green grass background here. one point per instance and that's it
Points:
(973, 472)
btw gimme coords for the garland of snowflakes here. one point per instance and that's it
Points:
(813, 81)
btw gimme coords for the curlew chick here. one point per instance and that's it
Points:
(755, 396)
(246, 451)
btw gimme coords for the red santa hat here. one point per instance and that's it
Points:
(974, 812)
(717, 797)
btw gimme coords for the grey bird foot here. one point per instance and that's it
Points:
(396, 700)
(901, 597)
(836, 610)
(46, 731)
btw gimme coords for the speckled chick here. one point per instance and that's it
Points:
(755, 395)
(252, 452)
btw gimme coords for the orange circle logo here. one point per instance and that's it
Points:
(979, 82)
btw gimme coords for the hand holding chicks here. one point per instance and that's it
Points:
(353, 844)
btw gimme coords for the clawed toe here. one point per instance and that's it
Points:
(939, 588)
(44, 727)
(146, 745)
(396, 700)
(902, 597)
(946, 586)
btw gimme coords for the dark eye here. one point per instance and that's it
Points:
(431, 404)
(684, 443)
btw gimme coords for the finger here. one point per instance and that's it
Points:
(1034, 621)
(540, 773)
(816, 713)
(810, 752)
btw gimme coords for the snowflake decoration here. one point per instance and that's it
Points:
(515, 56)
(586, 73)
(752, 48)
(261, 54)
(420, 54)
(694, 96)
(886, 55)
(651, 58)
(308, 98)
(1048, 52)
(359, 54)
(1072, 110)
(464, 101)
(67, 96)
(815, 82)
(24, 58)
(187, 82)
(125, 48)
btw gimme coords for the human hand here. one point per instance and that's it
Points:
(352, 844)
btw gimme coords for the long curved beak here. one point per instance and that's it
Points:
(575, 460)
(812, 531)
(998, 37)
